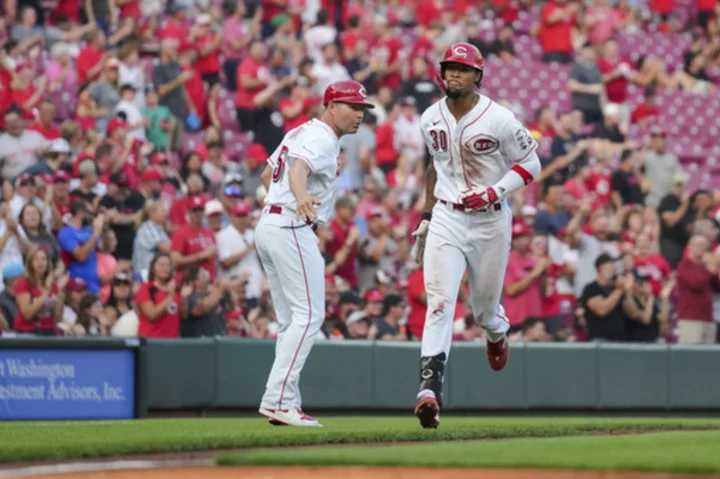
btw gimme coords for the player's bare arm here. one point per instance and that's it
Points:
(430, 181)
(299, 172)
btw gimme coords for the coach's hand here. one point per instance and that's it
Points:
(420, 234)
(478, 198)
(306, 208)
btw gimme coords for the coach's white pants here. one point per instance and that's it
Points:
(456, 242)
(295, 271)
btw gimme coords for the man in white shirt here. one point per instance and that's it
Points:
(328, 70)
(19, 148)
(236, 252)
(408, 133)
(320, 34)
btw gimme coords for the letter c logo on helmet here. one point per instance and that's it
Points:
(460, 51)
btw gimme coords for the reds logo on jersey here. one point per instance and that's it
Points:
(483, 144)
(524, 139)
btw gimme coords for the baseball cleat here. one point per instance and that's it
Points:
(289, 417)
(428, 411)
(498, 353)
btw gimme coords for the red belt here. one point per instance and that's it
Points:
(277, 210)
(461, 207)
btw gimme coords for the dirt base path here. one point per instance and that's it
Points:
(350, 473)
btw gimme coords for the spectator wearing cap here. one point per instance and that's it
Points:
(79, 239)
(328, 69)
(178, 210)
(232, 192)
(151, 237)
(252, 167)
(524, 279)
(253, 76)
(603, 298)
(360, 151)
(408, 133)
(92, 58)
(44, 124)
(373, 304)
(40, 296)
(343, 246)
(208, 45)
(55, 159)
(237, 34)
(237, 254)
(88, 172)
(19, 147)
(151, 183)
(105, 92)
(376, 252)
(646, 319)
(26, 192)
(214, 215)
(661, 168)
(75, 290)
(202, 312)
(335, 326)
(193, 244)
(627, 181)
(158, 120)
(697, 276)
(388, 327)
(358, 325)
(120, 299)
(136, 122)
(170, 81)
(11, 274)
(158, 301)
(676, 217)
(123, 207)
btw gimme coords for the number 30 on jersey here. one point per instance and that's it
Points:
(439, 140)
(279, 169)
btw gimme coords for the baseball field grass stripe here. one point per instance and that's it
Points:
(36, 441)
(680, 452)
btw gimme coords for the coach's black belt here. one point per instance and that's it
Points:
(277, 210)
(461, 207)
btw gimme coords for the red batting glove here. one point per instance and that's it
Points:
(476, 199)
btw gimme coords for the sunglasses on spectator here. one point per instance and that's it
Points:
(233, 191)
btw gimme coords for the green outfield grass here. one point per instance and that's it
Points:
(681, 452)
(34, 441)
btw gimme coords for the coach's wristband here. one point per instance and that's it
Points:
(426, 216)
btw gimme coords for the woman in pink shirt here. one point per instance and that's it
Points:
(60, 71)
(236, 36)
(603, 21)
(522, 290)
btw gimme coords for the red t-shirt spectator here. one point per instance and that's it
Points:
(662, 6)
(88, 59)
(556, 37)
(69, 8)
(188, 240)
(49, 133)
(601, 184)
(301, 118)
(44, 320)
(388, 50)
(551, 301)
(129, 8)
(19, 97)
(385, 152)
(643, 111)
(347, 271)
(509, 10)
(175, 30)
(250, 68)
(528, 303)
(427, 12)
(209, 63)
(165, 326)
(196, 92)
(616, 89)
(655, 268)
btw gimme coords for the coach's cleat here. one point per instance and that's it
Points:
(498, 353)
(428, 411)
(289, 417)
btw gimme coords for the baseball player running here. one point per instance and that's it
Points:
(300, 179)
(481, 155)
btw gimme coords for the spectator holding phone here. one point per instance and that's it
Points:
(602, 301)
(158, 301)
(78, 240)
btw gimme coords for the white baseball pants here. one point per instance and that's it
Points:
(458, 241)
(295, 270)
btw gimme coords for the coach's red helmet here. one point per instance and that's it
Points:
(464, 54)
(347, 91)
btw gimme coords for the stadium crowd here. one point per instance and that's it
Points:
(134, 133)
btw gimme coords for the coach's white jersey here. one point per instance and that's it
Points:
(476, 152)
(317, 144)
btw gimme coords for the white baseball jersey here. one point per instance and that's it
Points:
(316, 144)
(478, 151)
